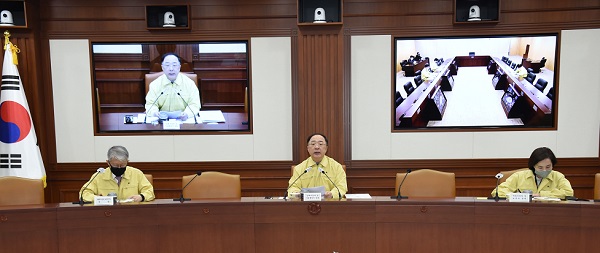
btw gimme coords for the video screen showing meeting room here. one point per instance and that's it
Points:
(501, 82)
(213, 94)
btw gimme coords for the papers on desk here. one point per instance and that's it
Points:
(358, 196)
(150, 119)
(318, 189)
(212, 116)
(545, 199)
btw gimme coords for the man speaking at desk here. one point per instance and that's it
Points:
(319, 170)
(172, 94)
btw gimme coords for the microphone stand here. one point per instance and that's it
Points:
(81, 202)
(399, 196)
(286, 190)
(181, 198)
(496, 197)
(188, 106)
(339, 194)
(156, 100)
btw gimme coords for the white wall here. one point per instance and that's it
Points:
(372, 139)
(271, 103)
(577, 134)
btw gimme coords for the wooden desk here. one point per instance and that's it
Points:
(381, 224)
(539, 107)
(114, 122)
(410, 69)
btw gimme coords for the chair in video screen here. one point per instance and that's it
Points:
(541, 84)
(21, 191)
(530, 77)
(408, 87)
(148, 78)
(212, 185)
(426, 183)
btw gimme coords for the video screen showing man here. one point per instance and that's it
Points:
(172, 95)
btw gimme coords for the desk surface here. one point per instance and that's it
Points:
(114, 122)
(253, 224)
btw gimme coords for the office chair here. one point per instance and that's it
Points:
(150, 178)
(148, 78)
(530, 77)
(550, 94)
(398, 99)
(597, 186)
(426, 183)
(293, 166)
(418, 80)
(508, 173)
(408, 87)
(21, 191)
(541, 84)
(212, 185)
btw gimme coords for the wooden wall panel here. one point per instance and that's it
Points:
(320, 78)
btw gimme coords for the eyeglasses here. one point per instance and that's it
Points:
(167, 66)
(320, 144)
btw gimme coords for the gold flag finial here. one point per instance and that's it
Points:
(6, 41)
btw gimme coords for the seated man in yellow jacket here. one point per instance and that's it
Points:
(313, 172)
(127, 182)
(539, 179)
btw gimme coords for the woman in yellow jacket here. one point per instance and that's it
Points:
(540, 179)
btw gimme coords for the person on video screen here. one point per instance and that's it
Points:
(172, 94)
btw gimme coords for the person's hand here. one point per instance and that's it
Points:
(328, 195)
(183, 116)
(154, 114)
(136, 198)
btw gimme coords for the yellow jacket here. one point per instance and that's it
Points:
(314, 178)
(133, 182)
(554, 185)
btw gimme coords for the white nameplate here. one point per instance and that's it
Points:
(311, 196)
(103, 200)
(171, 125)
(519, 197)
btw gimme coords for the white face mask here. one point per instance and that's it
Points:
(543, 173)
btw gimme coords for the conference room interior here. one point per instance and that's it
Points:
(473, 100)
(344, 109)
(337, 78)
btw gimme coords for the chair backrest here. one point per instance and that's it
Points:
(597, 187)
(426, 183)
(530, 77)
(550, 93)
(148, 78)
(541, 84)
(21, 191)
(508, 173)
(408, 87)
(212, 185)
(418, 80)
(150, 178)
(293, 166)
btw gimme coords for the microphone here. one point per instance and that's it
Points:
(181, 198)
(324, 173)
(286, 190)
(408, 171)
(188, 106)
(498, 176)
(156, 100)
(81, 202)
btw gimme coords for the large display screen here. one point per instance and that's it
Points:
(474, 74)
(214, 78)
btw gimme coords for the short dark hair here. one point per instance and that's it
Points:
(540, 154)
(170, 53)
(324, 137)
